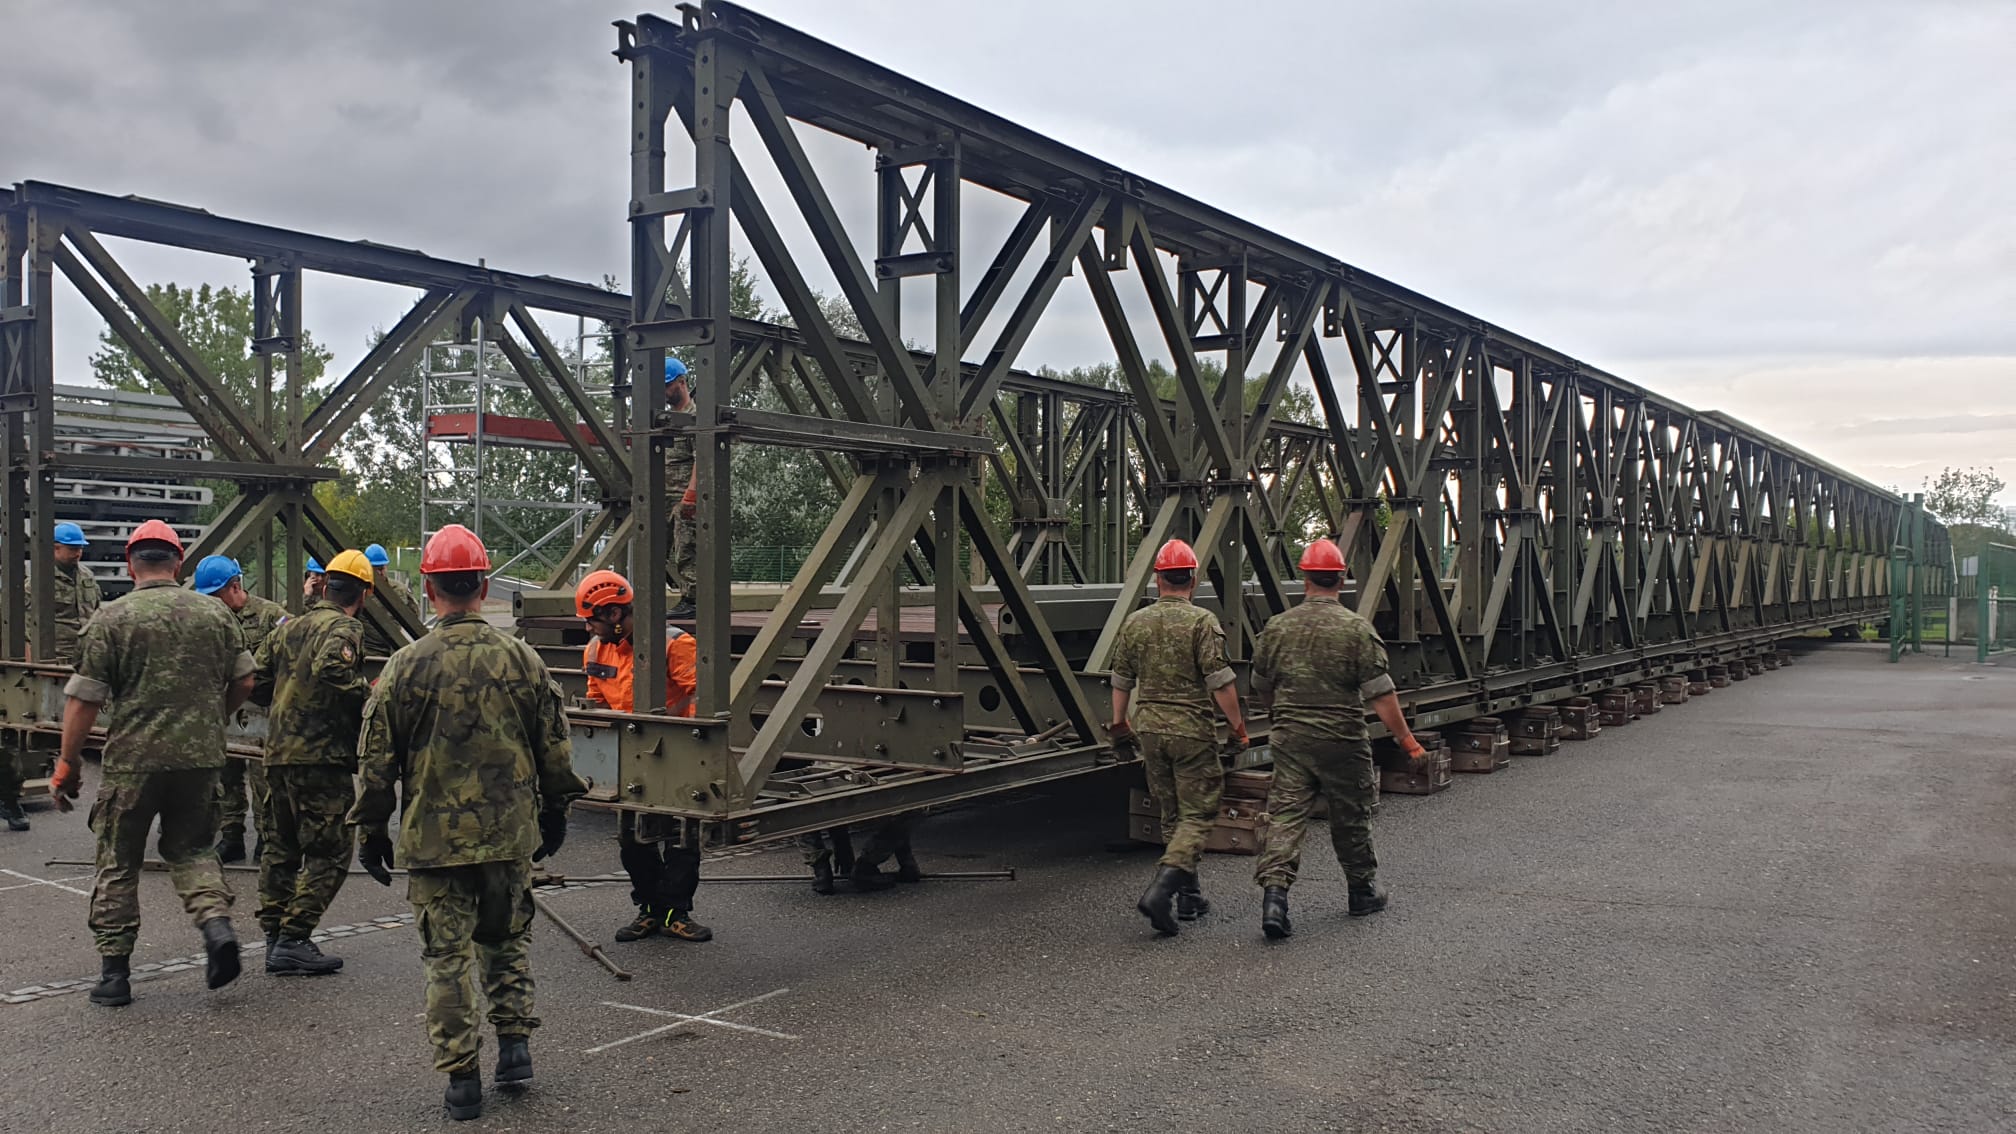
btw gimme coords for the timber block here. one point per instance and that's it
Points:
(1784, 658)
(1755, 666)
(1248, 784)
(1673, 689)
(1536, 731)
(1579, 719)
(1237, 835)
(1425, 776)
(1738, 671)
(1718, 677)
(1613, 708)
(1480, 745)
(1645, 698)
(1770, 661)
(1697, 684)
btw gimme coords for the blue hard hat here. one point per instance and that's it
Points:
(315, 566)
(376, 554)
(215, 573)
(675, 370)
(70, 535)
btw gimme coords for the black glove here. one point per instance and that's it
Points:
(552, 832)
(374, 854)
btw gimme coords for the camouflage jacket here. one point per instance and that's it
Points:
(76, 597)
(679, 459)
(1172, 656)
(258, 618)
(315, 664)
(1320, 663)
(470, 727)
(163, 656)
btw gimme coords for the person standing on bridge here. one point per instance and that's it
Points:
(174, 665)
(314, 666)
(1171, 658)
(220, 577)
(468, 728)
(664, 871)
(1319, 666)
(683, 477)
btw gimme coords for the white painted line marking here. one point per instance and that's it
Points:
(31, 879)
(681, 1019)
(40, 882)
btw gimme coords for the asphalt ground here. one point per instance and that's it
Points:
(1784, 907)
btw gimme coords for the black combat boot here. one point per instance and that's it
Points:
(822, 876)
(906, 867)
(220, 952)
(115, 989)
(17, 819)
(231, 848)
(645, 925)
(1191, 903)
(1158, 901)
(1367, 898)
(867, 877)
(1274, 913)
(298, 956)
(684, 612)
(514, 1061)
(464, 1098)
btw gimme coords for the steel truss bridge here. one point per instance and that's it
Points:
(1521, 526)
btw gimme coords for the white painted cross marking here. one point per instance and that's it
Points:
(31, 880)
(682, 1019)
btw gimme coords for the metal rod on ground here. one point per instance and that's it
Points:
(545, 879)
(587, 946)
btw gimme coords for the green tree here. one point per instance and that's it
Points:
(218, 324)
(1966, 496)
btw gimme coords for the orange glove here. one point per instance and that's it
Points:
(688, 504)
(1414, 749)
(64, 784)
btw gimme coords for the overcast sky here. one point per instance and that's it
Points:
(1801, 214)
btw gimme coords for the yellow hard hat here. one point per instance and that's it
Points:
(352, 563)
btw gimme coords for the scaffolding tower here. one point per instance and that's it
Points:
(479, 451)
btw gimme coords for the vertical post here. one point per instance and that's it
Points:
(16, 399)
(44, 234)
(652, 79)
(715, 80)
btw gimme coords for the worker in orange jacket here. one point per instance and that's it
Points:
(664, 869)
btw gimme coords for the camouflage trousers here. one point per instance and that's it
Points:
(834, 846)
(1341, 771)
(231, 783)
(1185, 778)
(475, 925)
(682, 549)
(307, 849)
(127, 804)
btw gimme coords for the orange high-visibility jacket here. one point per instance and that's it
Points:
(611, 669)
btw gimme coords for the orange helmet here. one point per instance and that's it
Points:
(453, 548)
(1322, 556)
(1175, 556)
(601, 588)
(155, 531)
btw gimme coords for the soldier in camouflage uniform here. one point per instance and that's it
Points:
(174, 664)
(76, 600)
(681, 477)
(1319, 665)
(220, 577)
(377, 643)
(1171, 658)
(315, 665)
(469, 727)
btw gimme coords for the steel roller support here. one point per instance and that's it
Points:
(1522, 527)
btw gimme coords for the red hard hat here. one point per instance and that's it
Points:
(453, 548)
(1322, 556)
(1175, 556)
(155, 531)
(601, 588)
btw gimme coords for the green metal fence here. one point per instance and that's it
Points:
(1985, 605)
